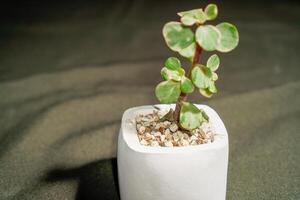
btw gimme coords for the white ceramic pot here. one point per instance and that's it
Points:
(171, 173)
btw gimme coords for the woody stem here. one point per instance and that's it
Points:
(183, 96)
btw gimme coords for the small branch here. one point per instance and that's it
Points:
(183, 96)
(180, 100)
(196, 60)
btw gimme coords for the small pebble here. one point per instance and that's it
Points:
(157, 126)
(184, 142)
(180, 134)
(157, 134)
(167, 132)
(154, 144)
(138, 119)
(169, 136)
(186, 136)
(167, 123)
(168, 144)
(144, 142)
(142, 129)
(173, 127)
(145, 119)
(193, 137)
(175, 137)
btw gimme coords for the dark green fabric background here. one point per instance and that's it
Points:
(69, 70)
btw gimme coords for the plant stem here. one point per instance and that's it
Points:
(183, 96)
(196, 59)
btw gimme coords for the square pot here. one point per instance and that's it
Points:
(171, 173)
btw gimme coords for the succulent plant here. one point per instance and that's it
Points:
(181, 38)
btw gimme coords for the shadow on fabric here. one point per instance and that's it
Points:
(97, 180)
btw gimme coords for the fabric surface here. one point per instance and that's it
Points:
(68, 72)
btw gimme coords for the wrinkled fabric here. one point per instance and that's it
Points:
(67, 76)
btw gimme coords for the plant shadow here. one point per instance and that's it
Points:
(97, 180)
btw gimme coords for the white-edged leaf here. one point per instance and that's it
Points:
(179, 38)
(211, 11)
(168, 91)
(229, 37)
(208, 37)
(213, 62)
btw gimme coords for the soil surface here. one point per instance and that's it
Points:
(153, 130)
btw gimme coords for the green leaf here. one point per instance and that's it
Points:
(212, 87)
(205, 92)
(170, 74)
(200, 76)
(173, 63)
(189, 52)
(181, 71)
(182, 13)
(205, 116)
(168, 91)
(186, 85)
(190, 117)
(214, 76)
(179, 39)
(229, 37)
(191, 17)
(213, 62)
(208, 37)
(200, 16)
(211, 11)
(188, 20)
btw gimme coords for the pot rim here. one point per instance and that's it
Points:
(129, 135)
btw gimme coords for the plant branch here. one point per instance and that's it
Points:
(196, 59)
(183, 96)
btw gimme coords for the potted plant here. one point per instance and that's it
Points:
(179, 151)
